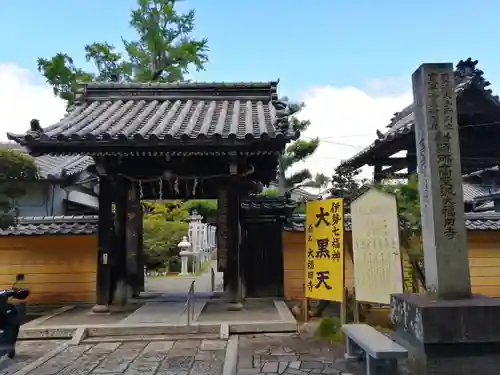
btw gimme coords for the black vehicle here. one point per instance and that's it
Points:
(11, 317)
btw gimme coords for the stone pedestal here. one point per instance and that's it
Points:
(455, 337)
(100, 309)
(184, 262)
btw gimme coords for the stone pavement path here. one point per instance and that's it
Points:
(27, 352)
(182, 357)
(291, 355)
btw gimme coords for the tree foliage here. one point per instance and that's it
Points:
(298, 151)
(165, 223)
(204, 207)
(163, 51)
(161, 239)
(16, 169)
(347, 184)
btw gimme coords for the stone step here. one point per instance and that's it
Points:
(151, 330)
(128, 338)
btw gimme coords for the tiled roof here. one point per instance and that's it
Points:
(482, 221)
(466, 75)
(472, 191)
(166, 113)
(52, 225)
(299, 193)
(473, 221)
(55, 166)
(481, 172)
(267, 203)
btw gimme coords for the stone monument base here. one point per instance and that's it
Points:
(455, 337)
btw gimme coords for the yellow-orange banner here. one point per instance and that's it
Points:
(325, 249)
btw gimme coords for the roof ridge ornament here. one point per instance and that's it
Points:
(35, 126)
(466, 71)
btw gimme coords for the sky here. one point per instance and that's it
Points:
(350, 62)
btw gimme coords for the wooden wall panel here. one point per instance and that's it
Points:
(484, 262)
(294, 265)
(57, 269)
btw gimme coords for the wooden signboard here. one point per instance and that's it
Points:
(375, 237)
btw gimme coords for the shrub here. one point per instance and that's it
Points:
(329, 329)
(161, 239)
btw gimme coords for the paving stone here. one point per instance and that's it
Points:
(329, 369)
(278, 357)
(183, 344)
(121, 358)
(270, 367)
(292, 371)
(178, 363)
(282, 367)
(312, 365)
(295, 365)
(60, 361)
(150, 358)
(206, 368)
(170, 372)
(205, 355)
(248, 371)
(213, 345)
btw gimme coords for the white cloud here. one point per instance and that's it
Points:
(23, 98)
(346, 119)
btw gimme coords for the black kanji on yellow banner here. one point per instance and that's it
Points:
(324, 249)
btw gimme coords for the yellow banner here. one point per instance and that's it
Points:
(325, 249)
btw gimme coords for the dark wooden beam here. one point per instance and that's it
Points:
(387, 162)
(233, 269)
(377, 173)
(105, 243)
(120, 286)
(135, 263)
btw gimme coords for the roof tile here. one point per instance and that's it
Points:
(165, 113)
(474, 221)
(56, 166)
(52, 225)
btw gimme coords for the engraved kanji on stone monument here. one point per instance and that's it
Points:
(440, 180)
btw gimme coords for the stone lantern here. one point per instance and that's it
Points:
(185, 252)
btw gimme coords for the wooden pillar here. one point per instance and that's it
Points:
(135, 267)
(120, 287)
(222, 232)
(105, 243)
(377, 173)
(233, 274)
(411, 161)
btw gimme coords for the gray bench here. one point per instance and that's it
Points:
(380, 351)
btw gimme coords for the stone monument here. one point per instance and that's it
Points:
(447, 330)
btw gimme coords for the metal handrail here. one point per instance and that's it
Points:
(190, 304)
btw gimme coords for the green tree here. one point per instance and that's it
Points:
(165, 210)
(205, 207)
(347, 184)
(408, 198)
(163, 51)
(16, 170)
(297, 151)
(160, 241)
